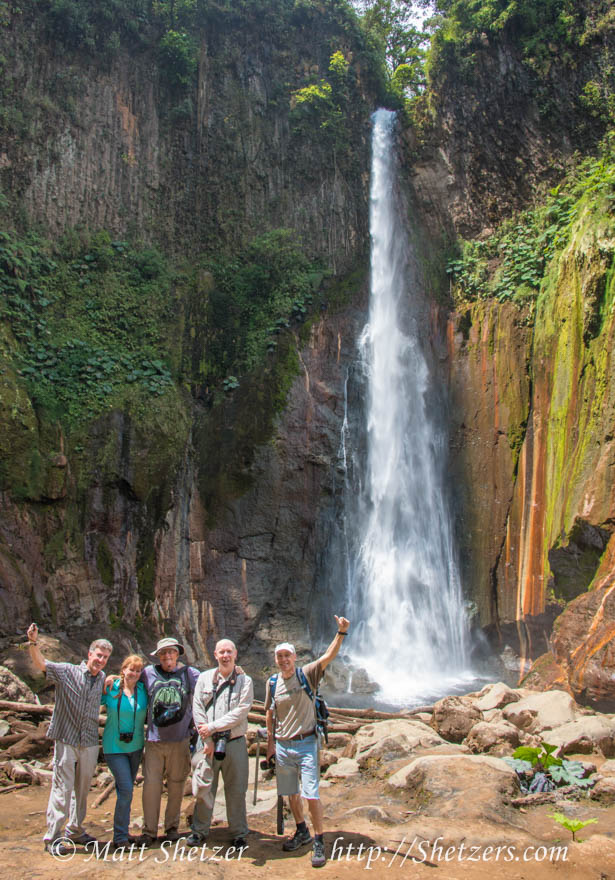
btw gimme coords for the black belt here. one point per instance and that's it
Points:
(300, 736)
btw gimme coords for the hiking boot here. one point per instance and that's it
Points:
(239, 842)
(145, 840)
(173, 834)
(195, 839)
(83, 839)
(58, 848)
(318, 854)
(299, 838)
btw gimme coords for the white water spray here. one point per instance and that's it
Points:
(403, 583)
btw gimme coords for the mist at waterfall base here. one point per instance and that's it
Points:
(410, 632)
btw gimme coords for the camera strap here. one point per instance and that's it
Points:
(229, 683)
(134, 717)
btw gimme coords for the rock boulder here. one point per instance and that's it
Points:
(461, 786)
(542, 711)
(454, 717)
(388, 740)
(586, 735)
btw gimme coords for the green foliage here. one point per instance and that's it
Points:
(540, 757)
(572, 825)
(598, 94)
(325, 104)
(178, 58)
(88, 319)
(526, 759)
(96, 25)
(104, 563)
(510, 264)
(546, 32)
(256, 295)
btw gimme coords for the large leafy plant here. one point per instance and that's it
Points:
(532, 760)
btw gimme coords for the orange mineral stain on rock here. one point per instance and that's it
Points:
(129, 127)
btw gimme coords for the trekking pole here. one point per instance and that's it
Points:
(280, 816)
(259, 733)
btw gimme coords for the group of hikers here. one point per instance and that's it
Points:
(154, 713)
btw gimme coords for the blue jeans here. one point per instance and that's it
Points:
(124, 767)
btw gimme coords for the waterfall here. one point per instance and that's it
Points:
(402, 578)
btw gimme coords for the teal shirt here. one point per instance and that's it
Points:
(112, 744)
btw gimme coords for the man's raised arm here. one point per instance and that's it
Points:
(336, 644)
(38, 661)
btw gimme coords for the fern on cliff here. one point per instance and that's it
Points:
(511, 263)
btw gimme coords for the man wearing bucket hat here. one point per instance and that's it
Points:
(170, 686)
(292, 735)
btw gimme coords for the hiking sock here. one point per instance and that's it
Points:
(302, 826)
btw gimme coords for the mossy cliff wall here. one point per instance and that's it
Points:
(530, 368)
(191, 509)
(532, 434)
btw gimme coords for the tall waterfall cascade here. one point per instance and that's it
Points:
(404, 593)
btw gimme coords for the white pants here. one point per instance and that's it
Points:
(73, 768)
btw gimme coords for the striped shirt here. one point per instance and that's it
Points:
(75, 714)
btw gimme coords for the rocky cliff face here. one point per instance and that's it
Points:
(185, 516)
(207, 520)
(530, 386)
(109, 145)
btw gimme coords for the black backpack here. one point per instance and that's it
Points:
(321, 710)
(169, 696)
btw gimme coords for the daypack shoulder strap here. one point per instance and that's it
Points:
(302, 679)
(272, 685)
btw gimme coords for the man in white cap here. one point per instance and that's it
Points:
(170, 687)
(291, 734)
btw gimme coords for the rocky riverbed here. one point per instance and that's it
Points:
(413, 793)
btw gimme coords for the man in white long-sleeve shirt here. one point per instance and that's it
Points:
(222, 700)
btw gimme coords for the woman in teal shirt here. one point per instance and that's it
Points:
(123, 739)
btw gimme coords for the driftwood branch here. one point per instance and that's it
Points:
(8, 788)
(35, 709)
(102, 797)
(28, 708)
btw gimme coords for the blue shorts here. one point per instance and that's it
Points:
(295, 758)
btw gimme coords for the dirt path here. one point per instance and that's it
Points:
(416, 846)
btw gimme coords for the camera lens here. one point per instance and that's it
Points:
(220, 750)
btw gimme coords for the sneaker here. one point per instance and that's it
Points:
(83, 839)
(195, 839)
(145, 840)
(299, 838)
(318, 854)
(57, 848)
(173, 834)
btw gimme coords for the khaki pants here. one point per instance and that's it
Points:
(170, 759)
(234, 769)
(73, 768)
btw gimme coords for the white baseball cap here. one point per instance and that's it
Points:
(285, 646)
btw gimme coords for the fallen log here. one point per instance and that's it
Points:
(544, 797)
(19, 772)
(8, 788)
(36, 709)
(27, 708)
(9, 739)
(371, 714)
(102, 797)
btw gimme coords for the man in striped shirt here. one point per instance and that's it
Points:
(74, 727)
